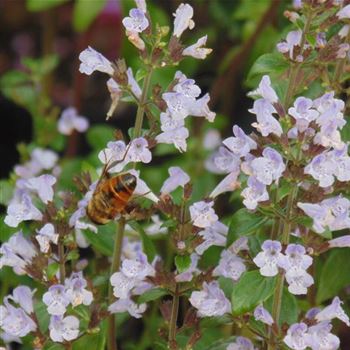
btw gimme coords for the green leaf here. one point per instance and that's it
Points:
(152, 294)
(182, 262)
(6, 191)
(96, 340)
(85, 12)
(147, 243)
(103, 241)
(99, 135)
(52, 269)
(41, 66)
(289, 308)
(251, 290)
(335, 274)
(41, 5)
(283, 189)
(268, 63)
(42, 315)
(244, 223)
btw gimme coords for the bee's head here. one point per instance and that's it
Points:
(130, 181)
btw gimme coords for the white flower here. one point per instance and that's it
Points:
(76, 290)
(46, 235)
(127, 305)
(333, 311)
(261, 314)
(177, 137)
(203, 214)
(212, 235)
(92, 61)
(42, 185)
(230, 266)
(229, 183)
(70, 120)
(197, 50)
(137, 22)
(63, 328)
(183, 19)
(268, 258)
(177, 178)
(344, 13)
(265, 90)
(56, 300)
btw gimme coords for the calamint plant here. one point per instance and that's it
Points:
(119, 244)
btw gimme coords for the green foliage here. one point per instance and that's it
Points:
(103, 240)
(182, 262)
(251, 290)
(335, 274)
(85, 12)
(99, 135)
(243, 223)
(152, 294)
(42, 5)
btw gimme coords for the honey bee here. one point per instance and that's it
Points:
(110, 197)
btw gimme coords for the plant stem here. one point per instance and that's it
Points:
(61, 261)
(141, 109)
(173, 317)
(277, 300)
(117, 251)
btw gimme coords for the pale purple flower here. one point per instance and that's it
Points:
(211, 139)
(186, 276)
(303, 113)
(329, 135)
(240, 144)
(183, 19)
(14, 321)
(342, 50)
(268, 168)
(43, 186)
(178, 104)
(198, 50)
(342, 163)
(177, 137)
(343, 32)
(229, 183)
(116, 94)
(241, 343)
(298, 281)
(127, 305)
(239, 244)
(267, 260)
(210, 301)
(138, 151)
(122, 285)
(230, 266)
(186, 86)
(266, 124)
(203, 214)
(212, 235)
(319, 337)
(321, 40)
(63, 328)
(40, 159)
(226, 162)
(296, 337)
(155, 228)
(114, 152)
(200, 108)
(141, 4)
(295, 258)
(333, 311)
(265, 90)
(321, 169)
(293, 39)
(333, 212)
(344, 13)
(169, 123)
(136, 22)
(253, 194)
(138, 268)
(134, 86)
(76, 290)
(92, 60)
(177, 178)
(340, 242)
(46, 235)
(21, 209)
(56, 300)
(70, 121)
(23, 296)
(17, 253)
(311, 313)
(261, 314)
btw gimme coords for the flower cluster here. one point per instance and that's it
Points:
(300, 336)
(131, 280)
(58, 298)
(295, 262)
